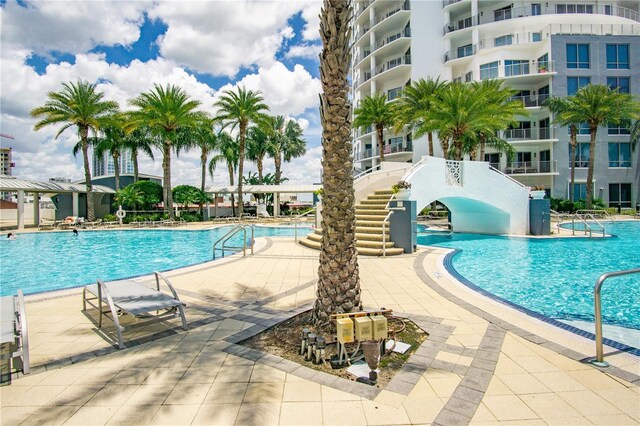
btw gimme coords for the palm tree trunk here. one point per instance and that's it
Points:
(259, 165)
(243, 129)
(84, 135)
(233, 199)
(483, 141)
(116, 168)
(134, 158)
(430, 139)
(166, 169)
(444, 143)
(592, 151)
(572, 157)
(338, 274)
(380, 136)
(277, 160)
(203, 175)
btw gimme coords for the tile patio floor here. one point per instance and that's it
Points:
(486, 364)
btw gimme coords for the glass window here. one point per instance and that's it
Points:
(620, 193)
(619, 129)
(465, 51)
(489, 70)
(621, 84)
(393, 93)
(582, 154)
(516, 67)
(543, 63)
(502, 14)
(536, 9)
(619, 154)
(576, 83)
(578, 55)
(504, 40)
(579, 191)
(618, 56)
(536, 37)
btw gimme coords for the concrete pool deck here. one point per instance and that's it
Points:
(485, 363)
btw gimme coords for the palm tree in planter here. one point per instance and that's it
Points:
(338, 274)
(239, 109)
(81, 105)
(413, 106)
(229, 153)
(564, 114)
(166, 110)
(598, 105)
(374, 111)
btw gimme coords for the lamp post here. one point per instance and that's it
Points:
(371, 349)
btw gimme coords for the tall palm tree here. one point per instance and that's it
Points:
(598, 105)
(413, 106)
(338, 274)
(229, 153)
(564, 114)
(166, 110)
(286, 143)
(376, 112)
(258, 142)
(239, 110)
(79, 105)
(138, 140)
(111, 140)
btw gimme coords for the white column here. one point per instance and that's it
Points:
(74, 204)
(20, 209)
(276, 204)
(474, 12)
(215, 200)
(36, 208)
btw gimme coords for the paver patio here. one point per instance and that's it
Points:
(486, 363)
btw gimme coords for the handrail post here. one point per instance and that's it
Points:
(599, 361)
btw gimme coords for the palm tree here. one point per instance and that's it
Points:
(598, 105)
(239, 110)
(413, 106)
(258, 142)
(376, 112)
(229, 153)
(563, 110)
(165, 110)
(80, 105)
(338, 275)
(111, 140)
(138, 140)
(286, 143)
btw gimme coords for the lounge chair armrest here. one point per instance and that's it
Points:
(102, 290)
(167, 282)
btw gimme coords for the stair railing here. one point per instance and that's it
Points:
(298, 219)
(386, 223)
(232, 232)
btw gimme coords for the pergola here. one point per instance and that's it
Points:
(22, 186)
(276, 190)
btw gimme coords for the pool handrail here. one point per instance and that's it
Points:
(298, 218)
(599, 360)
(232, 232)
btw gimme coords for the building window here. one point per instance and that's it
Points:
(574, 8)
(578, 56)
(618, 56)
(465, 51)
(489, 70)
(502, 14)
(536, 9)
(504, 40)
(468, 77)
(576, 83)
(621, 84)
(516, 67)
(619, 129)
(393, 93)
(536, 37)
(620, 193)
(579, 191)
(582, 155)
(619, 154)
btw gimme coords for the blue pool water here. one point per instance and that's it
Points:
(38, 262)
(554, 276)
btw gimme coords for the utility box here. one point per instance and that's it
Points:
(364, 329)
(379, 327)
(540, 217)
(402, 224)
(344, 330)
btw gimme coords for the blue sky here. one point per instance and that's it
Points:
(206, 47)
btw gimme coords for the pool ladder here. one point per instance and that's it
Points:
(232, 232)
(582, 218)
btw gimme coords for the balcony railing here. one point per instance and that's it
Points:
(398, 147)
(383, 41)
(554, 9)
(461, 52)
(541, 133)
(403, 60)
(446, 3)
(530, 167)
(362, 6)
(381, 17)
(531, 101)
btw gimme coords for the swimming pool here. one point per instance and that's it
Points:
(554, 276)
(38, 262)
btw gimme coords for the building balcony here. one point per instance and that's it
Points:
(517, 69)
(529, 167)
(382, 16)
(527, 11)
(386, 40)
(531, 101)
(446, 3)
(388, 65)
(389, 149)
(531, 134)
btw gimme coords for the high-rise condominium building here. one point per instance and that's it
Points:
(103, 165)
(538, 48)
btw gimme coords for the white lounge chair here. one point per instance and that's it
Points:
(135, 299)
(14, 340)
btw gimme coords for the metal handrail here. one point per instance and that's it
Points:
(599, 361)
(232, 232)
(296, 220)
(585, 216)
(602, 213)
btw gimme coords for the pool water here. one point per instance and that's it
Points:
(37, 262)
(554, 276)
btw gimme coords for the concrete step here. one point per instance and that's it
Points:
(373, 244)
(373, 212)
(379, 197)
(370, 230)
(369, 223)
(371, 217)
(388, 192)
(363, 236)
(368, 203)
(378, 252)
(315, 237)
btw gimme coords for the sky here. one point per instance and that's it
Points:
(125, 47)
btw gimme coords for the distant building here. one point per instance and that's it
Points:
(59, 180)
(103, 165)
(5, 169)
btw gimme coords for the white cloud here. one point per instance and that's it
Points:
(70, 27)
(311, 14)
(308, 51)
